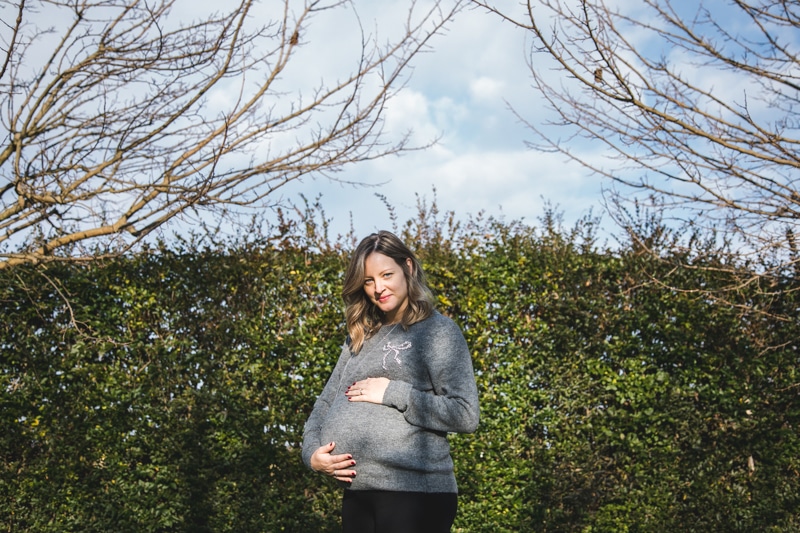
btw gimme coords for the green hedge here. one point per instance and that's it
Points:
(167, 391)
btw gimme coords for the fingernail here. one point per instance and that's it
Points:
(352, 463)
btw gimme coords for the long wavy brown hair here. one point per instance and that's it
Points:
(364, 319)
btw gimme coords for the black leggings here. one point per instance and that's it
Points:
(377, 511)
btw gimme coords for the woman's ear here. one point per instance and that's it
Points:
(410, 265)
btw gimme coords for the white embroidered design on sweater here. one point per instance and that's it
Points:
(395, 351)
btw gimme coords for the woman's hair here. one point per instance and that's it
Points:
(364, 319)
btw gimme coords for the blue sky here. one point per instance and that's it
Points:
(460, 91)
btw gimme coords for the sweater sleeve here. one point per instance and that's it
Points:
(452, 404)
(313, 426)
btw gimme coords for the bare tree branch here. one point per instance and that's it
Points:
(128, 116)
(694, 104)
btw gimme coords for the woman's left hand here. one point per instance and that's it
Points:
(367, 390)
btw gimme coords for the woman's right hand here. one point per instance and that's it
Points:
(337, 466)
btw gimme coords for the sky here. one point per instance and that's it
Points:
(460, 92)
(467, 92)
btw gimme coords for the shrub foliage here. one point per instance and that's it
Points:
(166, 391)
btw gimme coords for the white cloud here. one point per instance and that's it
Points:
(459, 92)
(409, 111)
(514, 184)
(488, 89)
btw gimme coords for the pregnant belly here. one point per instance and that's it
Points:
(350, 425)
(380, 434)
(358, 428)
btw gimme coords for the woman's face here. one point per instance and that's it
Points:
(385, 285)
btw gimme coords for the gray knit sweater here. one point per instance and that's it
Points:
(400, 445)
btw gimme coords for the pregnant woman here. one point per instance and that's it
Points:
(404, 379)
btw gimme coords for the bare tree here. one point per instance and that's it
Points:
(119, 115)
(694, 104)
